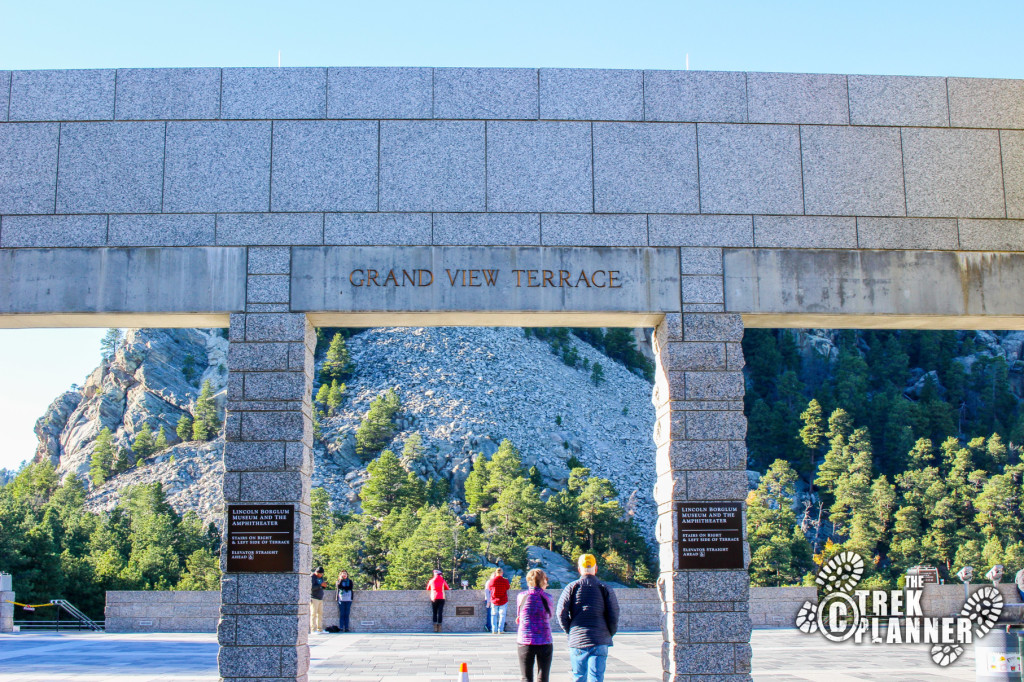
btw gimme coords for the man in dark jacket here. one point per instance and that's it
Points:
(316, 602)
(589, 612)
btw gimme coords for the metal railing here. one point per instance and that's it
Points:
(56, 625)
(78, 620)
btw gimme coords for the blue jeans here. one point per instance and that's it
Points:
(588, 664)
(498, 617)
(344, 609)
(487, 618)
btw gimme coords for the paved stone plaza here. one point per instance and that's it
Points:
(779, 656)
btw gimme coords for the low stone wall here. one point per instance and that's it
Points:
(776, 607)
(155, 611)
(409, 610)
(947, 600)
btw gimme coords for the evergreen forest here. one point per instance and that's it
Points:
(409, 527)
(58, 550)
(903, 446)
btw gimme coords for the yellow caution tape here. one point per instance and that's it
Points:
(31, 606)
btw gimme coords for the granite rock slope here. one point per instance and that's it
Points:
(154, 377)
(463, 390)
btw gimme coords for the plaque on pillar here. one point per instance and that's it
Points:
(261, 538)
(710, 535)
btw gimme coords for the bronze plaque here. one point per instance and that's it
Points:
(710, 535)
(465, 610)
(261, 538)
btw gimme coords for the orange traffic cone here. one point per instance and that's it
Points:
(463, 673)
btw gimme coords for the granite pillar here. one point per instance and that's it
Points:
(701, 456)
(6, 608)
(264, 617)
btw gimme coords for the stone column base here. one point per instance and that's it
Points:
(6, 612)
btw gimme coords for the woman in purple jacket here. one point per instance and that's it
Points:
(533, 614)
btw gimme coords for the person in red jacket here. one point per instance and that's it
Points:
(498, 585)
(436, 587)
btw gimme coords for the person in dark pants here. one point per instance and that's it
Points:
(435, 588)
(487, 609)
(316, 602)
(346, 590)
(589, 611)
(533, 614)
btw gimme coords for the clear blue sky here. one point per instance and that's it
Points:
(893, 37)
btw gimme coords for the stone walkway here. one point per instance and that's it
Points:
(779, 656)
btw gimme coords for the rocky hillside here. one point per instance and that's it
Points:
(463, 390)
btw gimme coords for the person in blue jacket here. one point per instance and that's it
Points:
(589, 612)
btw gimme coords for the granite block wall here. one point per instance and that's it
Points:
(341, 149)
(162, 611)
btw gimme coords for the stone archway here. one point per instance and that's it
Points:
(178, 197)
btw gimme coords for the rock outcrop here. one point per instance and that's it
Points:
(463, 390)
(154, 377)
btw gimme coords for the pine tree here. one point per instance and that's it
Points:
(992, 553)
(386, 490)
(438, 541)
(883, 506)
(599, 508)
(921, 455)
(414, 492)
(1000, 505)
(335, 396)
(996, 453)
(780, 554)
(812, 434)
(161, 440)
(338, 364)
(476, 486)
(506, 466)
(377, 427)
(108, 345)
(512, 522)
(597, 374)
(184, 429)
(413, 450)
(123, 460)
(206, 424)
(323, 394)
(438, 492)
(851, 508)
(202, 572)
(838, 458)
(560, 519)
(102, 457)
(143, 445)
(322, 521)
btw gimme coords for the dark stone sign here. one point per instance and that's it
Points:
(261, 538)
(710, 535)
(465, 610)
